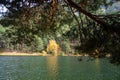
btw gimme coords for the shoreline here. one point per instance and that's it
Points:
(37, 54)
(28, 54)
(19, 54)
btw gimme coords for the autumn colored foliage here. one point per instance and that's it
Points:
(53, 47)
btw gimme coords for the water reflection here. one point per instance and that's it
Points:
(52, 66)
(56, 68)
(97, 64)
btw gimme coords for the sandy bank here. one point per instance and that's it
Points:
(28, 54)
(22, 54)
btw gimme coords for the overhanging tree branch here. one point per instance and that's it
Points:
(104, 25)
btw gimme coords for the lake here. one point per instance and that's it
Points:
(56, 68)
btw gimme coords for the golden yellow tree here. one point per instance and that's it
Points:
(53, 47)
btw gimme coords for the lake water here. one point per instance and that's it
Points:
(56, 68)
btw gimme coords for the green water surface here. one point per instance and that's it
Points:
(56, 68)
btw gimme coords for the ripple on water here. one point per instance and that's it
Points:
(53, 68)
(2, 79)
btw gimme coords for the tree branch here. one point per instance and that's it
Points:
(104, 25)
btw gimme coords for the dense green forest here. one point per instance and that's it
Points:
(77, 26)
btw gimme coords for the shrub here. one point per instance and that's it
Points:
(66, 47)
(37, 44)
(53, 47)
